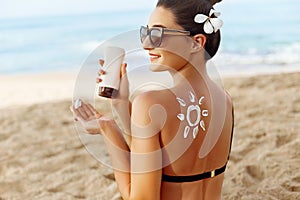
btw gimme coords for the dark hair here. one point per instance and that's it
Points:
(185, 12)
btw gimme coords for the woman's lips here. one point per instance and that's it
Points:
(154, 56)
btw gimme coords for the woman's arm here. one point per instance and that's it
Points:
(138, 170)
(119, 153)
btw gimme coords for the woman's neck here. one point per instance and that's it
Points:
(190, 73)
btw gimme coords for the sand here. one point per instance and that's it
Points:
(42, 157)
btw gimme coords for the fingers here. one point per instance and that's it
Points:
(88, 111)
(98, 80)
(80, 112)
(93, 110)
(88, 116)
(101, 72)
(85, 112)
(93, 131)
(123, 69)
(101, 62)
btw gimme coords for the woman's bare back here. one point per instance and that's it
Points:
(181, 145)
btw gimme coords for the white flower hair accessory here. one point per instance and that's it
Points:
(212, 24)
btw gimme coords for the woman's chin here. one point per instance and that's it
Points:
(155, 64)
(157, 67)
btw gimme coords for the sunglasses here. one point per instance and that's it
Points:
(156, 34)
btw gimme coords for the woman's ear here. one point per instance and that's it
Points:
(198, 43)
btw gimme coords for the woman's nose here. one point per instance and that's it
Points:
(147, 44)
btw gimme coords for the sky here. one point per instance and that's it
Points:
(36, 8)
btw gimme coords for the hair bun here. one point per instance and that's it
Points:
(213, 2)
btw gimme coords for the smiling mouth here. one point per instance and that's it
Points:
(154, 56)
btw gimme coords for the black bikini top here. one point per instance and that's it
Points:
(198, 177)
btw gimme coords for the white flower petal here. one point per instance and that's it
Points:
(200, 18)
(217, 23)
(208, 28)
(217, 14)
(212, 11)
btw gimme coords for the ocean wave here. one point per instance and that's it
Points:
(283, 55)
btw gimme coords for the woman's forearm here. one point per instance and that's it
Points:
(120, 156)
(122, 108)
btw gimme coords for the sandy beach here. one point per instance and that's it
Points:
(42, 157)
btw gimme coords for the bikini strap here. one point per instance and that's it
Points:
(192, 178)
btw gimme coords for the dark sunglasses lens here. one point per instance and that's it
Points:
(155, 37)
(143, 33)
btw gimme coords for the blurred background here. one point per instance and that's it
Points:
(42, 36)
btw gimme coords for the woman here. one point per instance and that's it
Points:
(180, 137)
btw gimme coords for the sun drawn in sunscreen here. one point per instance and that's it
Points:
(194, 106)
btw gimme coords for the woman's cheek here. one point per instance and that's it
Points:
(178, 47)
(174, 61)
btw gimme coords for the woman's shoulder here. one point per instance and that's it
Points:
(149, 111)
(154, 104)
(149, 98)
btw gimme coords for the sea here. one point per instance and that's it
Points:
(257, 37)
